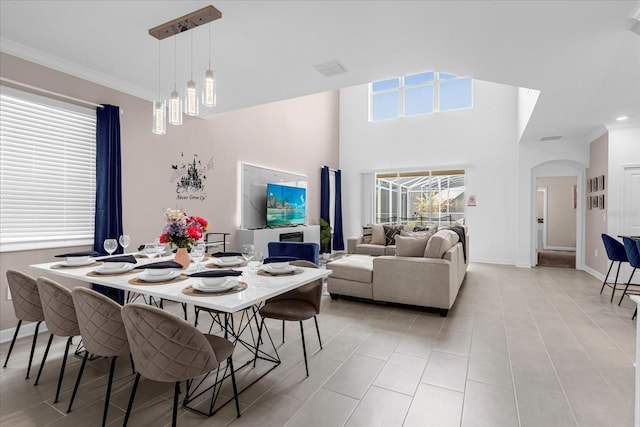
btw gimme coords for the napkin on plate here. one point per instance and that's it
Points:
(216, 273)
(161, 264)
(226, 254)
(83, 253)
(123, 258)
(271, 259)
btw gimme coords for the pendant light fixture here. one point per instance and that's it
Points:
(175, 103)
(159, 126)
(191, 99)
(209, 93)
(190, 105)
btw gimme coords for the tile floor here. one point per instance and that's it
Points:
(521, 347)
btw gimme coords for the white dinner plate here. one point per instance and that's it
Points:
(146, 278)
(230, 283)
(269, 269)
(123, 269)
(75, 264)
(221, 263)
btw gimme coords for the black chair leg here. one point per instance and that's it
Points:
(233, 383)
(44, 359)
(184, 309)
(615, 283)
(174, 414)
(133, 365)
(283, 332)
(304, 348)
(258, 342)
(133, 395)
(626, 287)
(604, 283)
(197, 312)
(108, 396)
(315, 319)
(13, 341)
(635, 314)
(75, 387)
(64, 364)
(33, 348)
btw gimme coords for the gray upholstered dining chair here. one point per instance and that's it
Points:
(165, 348)
(296, 305)
(102, 332)
(27, 308)
(60, 316)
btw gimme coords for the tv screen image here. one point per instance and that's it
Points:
(286, 205)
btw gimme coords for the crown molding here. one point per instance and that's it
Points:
(50, 61)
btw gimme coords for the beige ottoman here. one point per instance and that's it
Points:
(351, 276)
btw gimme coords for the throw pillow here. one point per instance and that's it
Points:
(366, 234)
(377, 235)
(390, 233)
(440, 243)
(424, 227)
(410, 246)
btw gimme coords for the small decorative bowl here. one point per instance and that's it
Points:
(214, 281)
(279, 265)
(158, 272)
(113, 265)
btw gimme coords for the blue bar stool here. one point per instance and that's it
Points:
(632, 247)
(615, 253)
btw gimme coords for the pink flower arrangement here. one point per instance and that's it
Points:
(181, 230)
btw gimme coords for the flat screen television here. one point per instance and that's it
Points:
(286, 205)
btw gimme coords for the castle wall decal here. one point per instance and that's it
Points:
(190, 178)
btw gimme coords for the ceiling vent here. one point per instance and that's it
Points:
(550, 138)
(332, 68)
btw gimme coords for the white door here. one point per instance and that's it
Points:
(631, 201)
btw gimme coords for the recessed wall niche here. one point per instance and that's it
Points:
(254, 191)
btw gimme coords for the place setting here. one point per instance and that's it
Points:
(226, 260)
(159, 273)
(278, 266)
(215, 283)
(77, 259)
(115, 266)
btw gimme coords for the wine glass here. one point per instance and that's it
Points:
(110, 245)
(125, 241)
(197, 254)
(255, 261)
(150, 250)
(247, 250)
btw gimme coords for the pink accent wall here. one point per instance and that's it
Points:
(298, 135)
(596, 219)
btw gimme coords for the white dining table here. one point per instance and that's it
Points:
(259, 287)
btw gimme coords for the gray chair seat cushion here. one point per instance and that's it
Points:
(293, 310)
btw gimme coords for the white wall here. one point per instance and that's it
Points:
(481, 139)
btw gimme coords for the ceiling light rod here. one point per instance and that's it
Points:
(186, 22)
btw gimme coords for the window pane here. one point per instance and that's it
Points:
(386, 84)
(417, 79)
(418, 100)
(385, 106)
(456, 94)
(445, 76)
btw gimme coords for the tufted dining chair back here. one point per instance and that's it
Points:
(26, 306)
(60, 316)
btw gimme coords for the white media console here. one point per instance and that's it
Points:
(259, 238)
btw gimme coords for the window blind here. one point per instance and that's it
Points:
(47, 172)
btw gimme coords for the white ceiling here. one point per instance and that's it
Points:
(581, 55)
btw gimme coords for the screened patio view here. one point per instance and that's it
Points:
(420, 198)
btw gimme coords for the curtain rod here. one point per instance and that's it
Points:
(49, 92)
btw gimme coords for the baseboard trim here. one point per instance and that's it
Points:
(593, 273)
(27, 329)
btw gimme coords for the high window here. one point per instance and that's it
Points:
(417, 94)
(47, 172)
(422, 197)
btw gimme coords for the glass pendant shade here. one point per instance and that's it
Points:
(175, 109)
(191, 101)
(159, 117)
(209, 95)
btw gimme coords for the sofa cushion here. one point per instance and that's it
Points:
(358, 268)
(440, 243)
(366, 234)
(390, 233)
(411, 246)
(377, 234)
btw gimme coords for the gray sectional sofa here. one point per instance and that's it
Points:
(430, 278)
